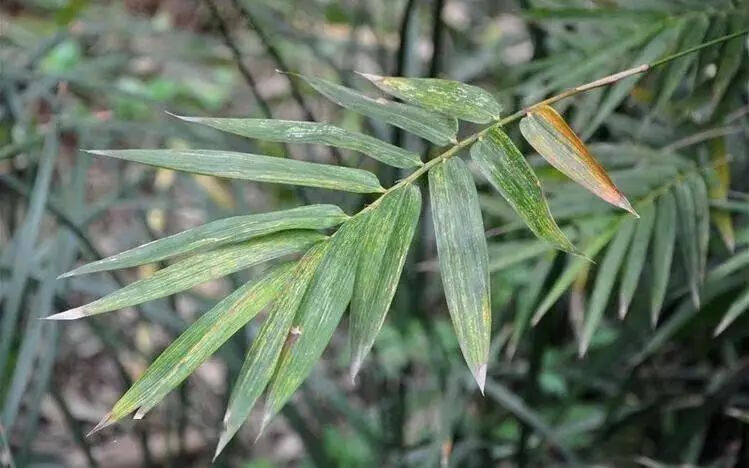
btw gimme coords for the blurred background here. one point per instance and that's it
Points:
(78, 74)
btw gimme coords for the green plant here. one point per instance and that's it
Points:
(362, 261)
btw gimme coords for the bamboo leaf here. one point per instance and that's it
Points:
(738, 307)
(693, 31)
(507, 170)
(719, 191)
(663, 252)
(255, 167)
(688, 238)
(261, 359)
(702, 221)
(217, 233)
(198, 343)
(453, 98)
(605, 278)
(730, 61)
(290, 131)
(436, 128)
(636, 258)
(550, 135)
(197, 269)
(463, 258)
(387, 236)
(573, 268)
(318, 315)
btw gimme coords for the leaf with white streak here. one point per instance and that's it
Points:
(254, 167)
(198, 269)
(291, 131)
(507, 170)
(453, 98)
(463, 259)
(438, 129)
(218, 233)
(387, 235)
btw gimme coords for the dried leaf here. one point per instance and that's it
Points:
(550, 135)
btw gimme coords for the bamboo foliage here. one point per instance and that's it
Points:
(361, 262)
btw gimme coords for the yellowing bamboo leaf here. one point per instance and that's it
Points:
(550, 135)
(198, 269)
(386, 238)
(197, 344)
(719, 191)
(507, 170)
(321, 309)
(463, 259)
(261, 359)
(453, 98)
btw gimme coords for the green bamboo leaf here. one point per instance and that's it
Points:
(550, 135)
(731, 55)
(688, 238)
(261, 359)
(730, 266)
(527, 298)
(663, 252)
(463, 258)
(453, 98)
(574, 266)
(253, 167)
(738, 307)
(387, 236)
(617, 92)
(198, 343)
(605, 278)
(636, 258)
(719, 191)
(290, 131)
(693, 31)
(507, 253)
(197, 269)
(507, 170)
(217, 233)
(318, 315)
(702, 220)
(436, 128)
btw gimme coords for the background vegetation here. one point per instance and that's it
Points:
(77, 74)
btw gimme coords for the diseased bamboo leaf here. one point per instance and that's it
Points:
(453, 98)
(719, 191)
(387, 236)
(326, 298)
(261, 359)
(198, 343)
(291, 131)
(550, 135)
(664, 240)
(463, 258)
(505, 167)
(605, 279)
(197, 269)
(255, 167)
(438, 129)
(217, 233)
(688, 238)
(738, 307)
(636, 258)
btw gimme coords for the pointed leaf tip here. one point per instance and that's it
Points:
(480, 376)
(553, 139)
(70, 314)
(105, 421)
